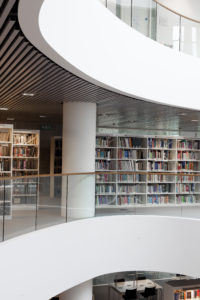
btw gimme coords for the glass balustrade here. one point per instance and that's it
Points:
(32, 203)
(158, 23)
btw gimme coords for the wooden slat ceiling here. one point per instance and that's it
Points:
(23, 69)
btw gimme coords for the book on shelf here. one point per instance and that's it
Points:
(101, 178)
(159, 188)
(4, 164)
(160, 143)
(130, 199)
(100, 153)
(25, 138)
(186, 199)
(105, 200)
(136, 188)
(103, 165)
(186, 166)
(105, 142)
(157, 199)
(187, 155)
(185, 187)
(131, 178)
(158, 166)
(5, 150)
(4, 136)
(28, 151)
(130, 142)
(188, 144)
(130, 165)
(24, 164)
(101, 188)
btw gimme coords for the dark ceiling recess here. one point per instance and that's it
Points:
(24, 69)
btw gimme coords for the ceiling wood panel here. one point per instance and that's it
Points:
(25, 69)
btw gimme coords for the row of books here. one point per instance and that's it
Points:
(132, 154)
(29, 151)
(103, 165)
(105, 200)
(103, 153)
(133, 199)
(155, 165)
(186, 187)
(159, 188)
(185, 144)
(105, 189)
(4, 165)
(186, 199)
(160, 178)
(160, 143)
(131, 142)
(24, 164)
(105, 178)
(187, 295)
(187, 155)
(25, 189)
(136, 188)
(21, 173)
(186, 165)
(157, 199)
(130, 165)
(27, 138)
(5, 150)
(105, 142)
(187, 178)
(159, 154)
(131, 178)
(4, 137)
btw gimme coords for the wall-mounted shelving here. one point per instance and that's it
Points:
(146, 154)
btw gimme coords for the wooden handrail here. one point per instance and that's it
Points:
(102, 173)
(175, 12)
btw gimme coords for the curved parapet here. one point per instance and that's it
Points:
(42, 264)
(88, 40)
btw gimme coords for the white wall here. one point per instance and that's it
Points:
(88, 40)
(47, 262)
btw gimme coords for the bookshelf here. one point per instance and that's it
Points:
(55, 165)
(146, 154)
(26, 153)
(6, 147)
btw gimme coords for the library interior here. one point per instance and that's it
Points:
(99, 149)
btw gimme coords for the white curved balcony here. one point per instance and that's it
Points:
(88, 40)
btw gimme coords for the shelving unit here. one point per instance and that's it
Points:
(6, 146)
(146, 154)
(26, 153)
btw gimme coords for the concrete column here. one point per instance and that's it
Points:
(79, 132)
(80, 292)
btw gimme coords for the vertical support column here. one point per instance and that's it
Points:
(79, 292)
(79, 132)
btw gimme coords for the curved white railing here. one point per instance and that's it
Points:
(45, 263)
(88, 40)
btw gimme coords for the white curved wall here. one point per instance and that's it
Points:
(87, 39)
(47, 262)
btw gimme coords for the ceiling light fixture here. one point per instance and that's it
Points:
(42, 116)
(194, 120)
(10, 119)
(28, 94)
(182, 114)
(3, 108)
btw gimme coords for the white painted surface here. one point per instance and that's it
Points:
(52, 260)
(81, 292)
(188, 8)
(78, 155)
(109, 53)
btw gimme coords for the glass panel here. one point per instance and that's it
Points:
(144, 17)
(112, 6)
(103, 1)
(52, 201)
(190, 37)
(23, 210)
(124, 11)
(168, 28)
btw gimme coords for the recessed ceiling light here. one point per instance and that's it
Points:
(194, 120)
(10, 119)
(42, 116)
(3, 108)
(28, 94)
(182, 114)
